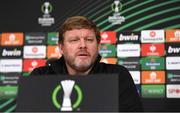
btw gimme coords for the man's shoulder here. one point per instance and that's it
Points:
(42, 70)
(52, 67)
(113, 66)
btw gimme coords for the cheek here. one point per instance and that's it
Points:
(93, 49)
(69, 50)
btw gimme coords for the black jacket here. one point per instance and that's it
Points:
(129, 98)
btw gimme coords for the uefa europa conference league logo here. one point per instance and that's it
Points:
(67, 86)
(116, 18)
(46, 20)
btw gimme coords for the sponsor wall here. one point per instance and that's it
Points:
(152, 57)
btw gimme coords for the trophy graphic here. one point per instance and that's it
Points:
(46, 5)
(116, 18)
(67, 86)
(46, 20)
(116, 9)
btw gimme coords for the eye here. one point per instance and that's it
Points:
(90, 39)
(74, 40)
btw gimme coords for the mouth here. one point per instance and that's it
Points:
(83, 55)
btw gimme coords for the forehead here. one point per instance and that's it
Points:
(79, 32)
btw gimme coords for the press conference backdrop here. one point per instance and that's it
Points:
(142, 35)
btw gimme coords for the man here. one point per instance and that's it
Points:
(79, 43)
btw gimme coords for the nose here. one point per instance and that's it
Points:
(82, 43)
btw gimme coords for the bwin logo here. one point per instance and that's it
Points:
(67, 87)
(14, 52)
(173, 50)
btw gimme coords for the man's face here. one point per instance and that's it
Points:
(80, 49)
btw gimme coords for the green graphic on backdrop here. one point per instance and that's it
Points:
(108, 50)
(26, 74)
(7, 92)
(153, 91)
(152, 63)
(53, 38)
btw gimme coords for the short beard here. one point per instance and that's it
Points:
(83, 66)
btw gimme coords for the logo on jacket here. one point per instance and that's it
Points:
(67, 87)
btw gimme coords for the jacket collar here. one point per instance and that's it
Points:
(96, 65)
(59, 66)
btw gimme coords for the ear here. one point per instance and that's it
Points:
(99, 46)
(61, 48)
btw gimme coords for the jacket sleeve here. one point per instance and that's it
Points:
(129, 99)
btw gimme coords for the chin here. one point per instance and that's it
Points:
(82, 67)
